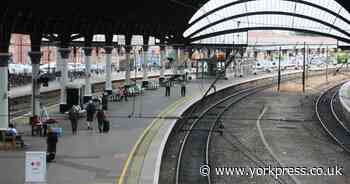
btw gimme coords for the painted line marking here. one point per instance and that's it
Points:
(167, 110)
(266, 144)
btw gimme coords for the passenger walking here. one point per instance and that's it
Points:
(101, 117)
(90, 113)
(125, 93)
(183, 89)
(167, 89)
(74, 117)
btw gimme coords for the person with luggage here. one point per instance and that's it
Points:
(90, 113)
(100, 119)
(183, 89)
(73, 116)
(52, 139)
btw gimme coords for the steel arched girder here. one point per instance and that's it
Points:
(269, 13)
(245, 1)
(267, 28)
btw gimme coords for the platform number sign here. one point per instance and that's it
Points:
(35, 167)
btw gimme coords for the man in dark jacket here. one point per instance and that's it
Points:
(51, 141)
(90, 113)
(73, 116)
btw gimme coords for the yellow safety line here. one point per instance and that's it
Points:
(144, 133)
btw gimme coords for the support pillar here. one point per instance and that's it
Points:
(145, 63)
(35, 57)
(108, 87)
(4, 110)
(162, 63)
(87, 89)
(127, 72)
(64, 78)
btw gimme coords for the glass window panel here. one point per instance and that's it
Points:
(210, 5)
(261, 5)
(272, 20)
(345, 13)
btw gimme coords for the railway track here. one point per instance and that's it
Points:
(196, 142)
(20, 106)
(187, 148)
(326, 113)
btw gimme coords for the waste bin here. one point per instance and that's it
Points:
(105, 101)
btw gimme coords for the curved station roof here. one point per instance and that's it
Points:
(221, 18)
(169, 19)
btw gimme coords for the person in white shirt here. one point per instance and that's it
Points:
(44, 116)
(12, 130)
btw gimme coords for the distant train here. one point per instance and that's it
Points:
(27, 68)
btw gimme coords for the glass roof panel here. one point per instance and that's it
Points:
(270, 20)
(210, 5)
(268, 5)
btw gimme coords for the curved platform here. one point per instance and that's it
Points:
(344, 98)
(133, 149)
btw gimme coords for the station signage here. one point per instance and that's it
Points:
(35, 167)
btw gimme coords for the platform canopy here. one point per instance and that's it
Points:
(222, 18)
(168, 19)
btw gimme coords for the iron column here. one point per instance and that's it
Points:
(35, 57)
(108, 87)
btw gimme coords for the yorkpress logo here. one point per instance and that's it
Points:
(204, 170)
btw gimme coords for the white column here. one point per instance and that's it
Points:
(189, 60)
(127, 72)
(58, 60)
(162, 63)
(64, 77)
(4, 111)
(35, 57)
(87, 89)
(178, 61)
(108, 51)
(145, 63)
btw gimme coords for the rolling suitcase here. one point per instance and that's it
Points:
(106, 126)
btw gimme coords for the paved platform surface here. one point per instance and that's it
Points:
(91, 157)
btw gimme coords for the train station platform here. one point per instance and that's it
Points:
(55, 85)
(344, 98)
(130, 153)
